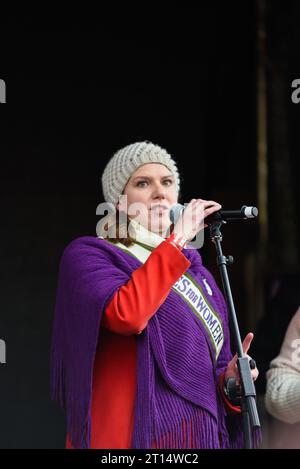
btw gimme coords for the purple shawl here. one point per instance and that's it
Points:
(177, 400)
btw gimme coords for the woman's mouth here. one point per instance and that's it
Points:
(159, 208)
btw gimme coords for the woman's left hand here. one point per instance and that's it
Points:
(232, 368)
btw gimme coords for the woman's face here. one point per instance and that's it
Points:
(153, 187)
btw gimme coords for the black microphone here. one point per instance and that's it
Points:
(243, 213)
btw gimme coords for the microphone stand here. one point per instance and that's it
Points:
(248, 394)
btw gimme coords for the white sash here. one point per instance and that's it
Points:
(192, 293)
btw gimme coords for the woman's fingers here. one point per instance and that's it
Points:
(205, 203)
(205, 208)
(245, 345)
(232, 370)
(209, 211)
(191, 220)
(247, 342)
(254, 374)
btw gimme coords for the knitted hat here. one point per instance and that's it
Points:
(127, 160)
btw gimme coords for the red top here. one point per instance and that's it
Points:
(114, 377)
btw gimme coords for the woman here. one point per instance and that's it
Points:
(140, 350)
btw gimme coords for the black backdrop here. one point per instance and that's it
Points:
(79, 88)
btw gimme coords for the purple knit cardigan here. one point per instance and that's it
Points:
(177, 400)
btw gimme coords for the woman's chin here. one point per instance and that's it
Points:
(161, 230)
(159, 224)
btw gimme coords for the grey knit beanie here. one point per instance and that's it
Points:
(127, 160)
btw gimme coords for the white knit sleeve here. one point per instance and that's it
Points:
(282, 398)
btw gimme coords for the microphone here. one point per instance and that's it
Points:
(243, 213)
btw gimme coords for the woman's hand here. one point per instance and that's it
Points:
(191, 221)
(232, 368)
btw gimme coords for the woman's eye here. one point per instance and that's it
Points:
(166, 182)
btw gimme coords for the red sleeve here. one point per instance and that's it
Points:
(137, 301)
(232, 409)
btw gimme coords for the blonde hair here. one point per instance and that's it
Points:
(117, 232)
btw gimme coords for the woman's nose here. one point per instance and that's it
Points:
(158, 192)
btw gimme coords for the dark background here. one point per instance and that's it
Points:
(81, 86)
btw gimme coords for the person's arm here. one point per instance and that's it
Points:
(137, 301)
(282, 397)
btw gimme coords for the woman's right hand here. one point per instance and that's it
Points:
(191, 220)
